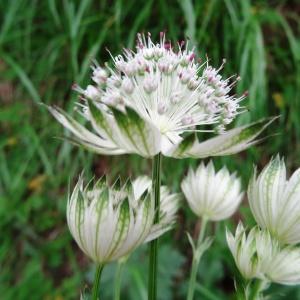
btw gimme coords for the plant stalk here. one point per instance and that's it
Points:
(118, 276)
(156, 179)
(96, 285)
(196, 260)
(257, 289)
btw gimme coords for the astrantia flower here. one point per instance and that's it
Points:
(149, 100)
(110, 222)
(244, 251)
(210, 194)
(275, 201)
(258, 255)
(280, 264)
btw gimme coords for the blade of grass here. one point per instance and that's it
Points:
(28, 84)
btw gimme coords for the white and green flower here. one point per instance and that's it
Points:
(110, 222)
(154, 100)
(244, 251)
(210, 194)
(275, 201)
(259, 255)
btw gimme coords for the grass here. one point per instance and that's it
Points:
(45, 46)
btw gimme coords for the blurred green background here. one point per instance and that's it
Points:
(45, 46)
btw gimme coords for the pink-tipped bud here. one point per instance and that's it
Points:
(192, 56)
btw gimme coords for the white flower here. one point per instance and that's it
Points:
(275, 201)
(210, 194)
(152, 98)
(111, 222)
(244, 252)
(283, 266)
(258, 255)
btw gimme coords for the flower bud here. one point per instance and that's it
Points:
(274, 201)
(212, 195)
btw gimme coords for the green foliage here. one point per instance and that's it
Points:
(45, 46)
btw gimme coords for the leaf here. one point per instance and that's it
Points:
(191, 242)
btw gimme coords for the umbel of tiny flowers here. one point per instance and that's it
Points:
(150, 100)
(275, 201)
(110, 222)
(259, 255)
(211, 196)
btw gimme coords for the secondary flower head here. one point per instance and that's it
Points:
(275, 201)
(150, 98)
(259, 255)
(111, 222)
(243, 249)
(210, 194)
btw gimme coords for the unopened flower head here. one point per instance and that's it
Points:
(259, 255)
(210, 194)
(275, 201)
(111, 222)
(244, 252)
(150, 98)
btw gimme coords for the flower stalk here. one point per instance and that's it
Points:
(156, 180)
(118, 276)
(197, 253)
(96, 285)
(256, 290)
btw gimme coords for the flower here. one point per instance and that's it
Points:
(110, 222)
(274, 201)
(259, 255)
(244, 252)
(152, 101)
(169, 204)
(210, 194)
(283, 265)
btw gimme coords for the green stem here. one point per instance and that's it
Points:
(257, 289)
(118, 276)
(156, 173)
(196, 260)
(96, 285)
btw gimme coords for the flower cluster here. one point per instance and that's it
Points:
(157, 80)
(269, 251)
(150, 99)
(110, 222)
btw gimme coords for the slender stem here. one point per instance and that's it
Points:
(257, 289)
(156, 173)
(118, 276)
(96, 285)
(196, 260)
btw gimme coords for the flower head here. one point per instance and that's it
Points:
(149, 100)
(259, 255)
(274, 201)
(243, 249)
(110, 222)
(210, 194)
